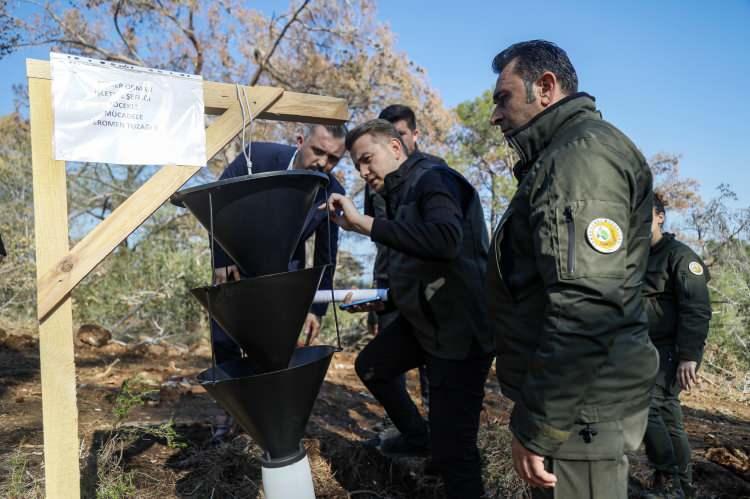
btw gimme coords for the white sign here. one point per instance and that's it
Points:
(116, 113)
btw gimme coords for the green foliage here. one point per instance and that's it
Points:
(133, 393)
(115, 484)
(167, 432)
(721, 232)
(729, 336)
(480, 151)
(16, 484)
(352, 328)
(146, 287)
(17, 480)
(17, 272)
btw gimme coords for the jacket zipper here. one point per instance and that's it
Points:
(571, 239)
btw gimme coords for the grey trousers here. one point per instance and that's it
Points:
(597, 469)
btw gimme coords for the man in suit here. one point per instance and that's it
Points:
(318, 148)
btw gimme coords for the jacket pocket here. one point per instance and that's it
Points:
(570, 223)
(592, 239)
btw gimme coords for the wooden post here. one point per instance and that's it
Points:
(60, 269)
(56, 354)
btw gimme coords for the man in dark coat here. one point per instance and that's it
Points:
(566, 264)
(437, 241)
(404, 121)
(319, 148)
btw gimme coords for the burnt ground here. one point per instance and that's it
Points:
(161, 446)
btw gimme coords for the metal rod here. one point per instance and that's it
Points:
(213, 279)
(332, 266)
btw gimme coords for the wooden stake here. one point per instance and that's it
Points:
(56, 354)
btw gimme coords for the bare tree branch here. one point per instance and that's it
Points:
(188, 31)
(130, 48)
(262, 64)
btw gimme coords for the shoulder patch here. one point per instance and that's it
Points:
(604, 235)
(695, 268)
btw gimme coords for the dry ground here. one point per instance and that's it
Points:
(160, 447)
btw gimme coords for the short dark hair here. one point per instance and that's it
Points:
(338, 131)
(659, 204)
(535, 57)
(377, 128)
(399, 112)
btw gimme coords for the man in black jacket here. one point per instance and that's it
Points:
(318, 148)
(679, 310)
(437, 248)
(404, 121)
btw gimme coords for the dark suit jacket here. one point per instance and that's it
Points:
(269, 157)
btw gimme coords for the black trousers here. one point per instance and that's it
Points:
(456, 395)
(383, 320)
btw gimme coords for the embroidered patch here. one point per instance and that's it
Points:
(604, 235)
(696, 268)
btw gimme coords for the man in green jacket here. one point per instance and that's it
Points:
(679, 311)
(566, 265)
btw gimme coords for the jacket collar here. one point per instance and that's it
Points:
(395, 179)
(532, 138)
(666, 238)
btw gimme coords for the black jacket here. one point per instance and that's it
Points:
(269, 157)
(375, 207)
(677, 299)
(437, 249)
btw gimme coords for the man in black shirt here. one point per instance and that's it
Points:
(404, 121)
(437, 244)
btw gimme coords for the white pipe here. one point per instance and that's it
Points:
(290, 482)
(324, 295)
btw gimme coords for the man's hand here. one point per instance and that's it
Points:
(311, 329)
(686, 374)
(530, 467)
(374, 306)
(224, 274)
(350, 219)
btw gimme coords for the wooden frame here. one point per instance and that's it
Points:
(60, 268)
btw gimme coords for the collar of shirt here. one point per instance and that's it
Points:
(290, 166)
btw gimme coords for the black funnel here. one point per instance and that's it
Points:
(258, 219)
(272, 407)
(264, 315)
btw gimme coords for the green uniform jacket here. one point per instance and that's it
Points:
(677, 300)
(564, 277)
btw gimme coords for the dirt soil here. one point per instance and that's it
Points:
(717, 420)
